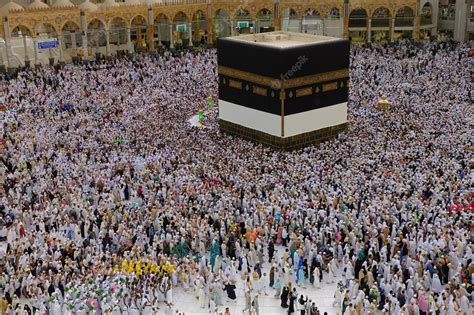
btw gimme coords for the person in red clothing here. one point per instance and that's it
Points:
(422, 303)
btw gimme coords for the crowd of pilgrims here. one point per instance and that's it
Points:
(112, 201)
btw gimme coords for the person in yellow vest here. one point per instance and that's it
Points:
(131, 266)
(138, 268)
(125, 265)
(3, 305)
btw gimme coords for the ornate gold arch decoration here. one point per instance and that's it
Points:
(390, 14)
(360, 8)
(47, 26)
(89, 22)
(199, 10)
(236, 10)
(404, 6)
(297, 9)
(156, 16)
(182, 12)
(63, 25)
(22, 25)
(138, 16)
(124, 19)
(227, 10)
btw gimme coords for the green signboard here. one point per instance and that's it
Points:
(243, 24)
(181, 27)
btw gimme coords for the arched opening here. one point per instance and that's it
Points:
(312, 22)
(333, 14)
(138, 33)
(381, 25)
(22, 45)
(358, 25)
(381, 18)
(96, 38)
(427, 14)
(333, 24)
(404, 17)
(358, 18)
(264, 21)
(162, 26)
(243, 22)
(180, 29)
(447, 10)
(47, 33)
(292, 14)
(199, 28)
(118, 35)
(222, 24)
(72, 39)
(290, 20)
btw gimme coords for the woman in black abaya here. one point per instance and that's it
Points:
(230, 290)
(284, 296)
(293, 297)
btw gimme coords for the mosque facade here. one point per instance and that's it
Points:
(68, 30)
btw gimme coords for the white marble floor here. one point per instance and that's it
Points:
(186, 303)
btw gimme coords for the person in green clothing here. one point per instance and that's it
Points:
(214, 252)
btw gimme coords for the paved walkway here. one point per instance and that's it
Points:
(324, 297)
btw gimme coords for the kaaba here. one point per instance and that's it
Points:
(283, 89)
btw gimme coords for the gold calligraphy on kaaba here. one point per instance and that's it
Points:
(304, 92)
(284, 84)
(329, 86)
(260, 91)
(235, 84)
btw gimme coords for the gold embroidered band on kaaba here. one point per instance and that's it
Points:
(284, 84)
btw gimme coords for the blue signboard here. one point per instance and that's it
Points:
(48, 44)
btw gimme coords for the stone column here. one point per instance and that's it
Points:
(60, 45)
(84, 46)
(210, 31)
(97, 32)
(8, 44)
(26, 50)
(35, 49)
(210, 23)
(416, 30)
(190, 34)
(369, 30)
(460, 20)
(139, 41)
(232, 27)
(129, 41)
(151, 31)
(107, 43)
(276, 16)
(84, 36)
(197, 31)
(345, 14)
(171, 36)
(73, 44)
(346, 27)
(392, 29)
(323, 26)
(159, 35)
